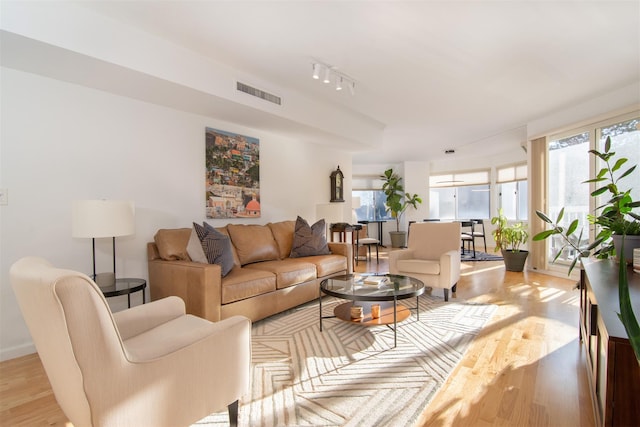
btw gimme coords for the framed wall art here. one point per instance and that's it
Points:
(232, 175)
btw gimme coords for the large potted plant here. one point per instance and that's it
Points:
(616, 217)
(509, 239)
(397, 203)
(619, 233)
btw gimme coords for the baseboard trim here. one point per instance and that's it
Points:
(18, 351)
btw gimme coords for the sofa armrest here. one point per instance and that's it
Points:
(199, 285)
(345, 249)
(449, 268)
(141, 318)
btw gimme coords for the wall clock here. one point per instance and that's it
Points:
(337, 186)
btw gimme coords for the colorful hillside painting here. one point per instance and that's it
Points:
(232, 175)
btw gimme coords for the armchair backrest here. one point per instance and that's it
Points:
(429, 240)
(72, 328)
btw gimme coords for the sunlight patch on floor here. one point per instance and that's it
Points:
(468, 270)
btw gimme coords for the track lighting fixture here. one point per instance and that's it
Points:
(332, 74)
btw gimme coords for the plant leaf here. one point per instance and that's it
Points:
(627, 172)
(541, 215)
(619, 164)
(572, 227)
(599, 191)
(544, 234)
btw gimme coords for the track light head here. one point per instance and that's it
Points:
(352, 87)
(339, 83)
(316, 71)
(327, 76)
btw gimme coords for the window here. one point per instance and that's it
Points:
(625, 141)
(372, 199)
(568, 169)
(372, 206)
(513, 192)
(568, 165)
(459, 195)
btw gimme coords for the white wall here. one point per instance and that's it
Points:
(60, 142)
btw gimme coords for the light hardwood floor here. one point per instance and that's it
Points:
(526, 368)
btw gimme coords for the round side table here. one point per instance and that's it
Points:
(125, 286)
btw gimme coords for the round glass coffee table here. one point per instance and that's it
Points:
(365, 290)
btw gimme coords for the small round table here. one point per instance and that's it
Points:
(125, 286)
(384, 289)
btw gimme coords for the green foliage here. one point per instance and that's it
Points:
(626, 315)
(397, 200)
(508, 237)
(616, 216)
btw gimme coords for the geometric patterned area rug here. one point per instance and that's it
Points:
(350, 375)
(480, 256)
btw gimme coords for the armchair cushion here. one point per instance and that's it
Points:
(141, 318)
(420, 266)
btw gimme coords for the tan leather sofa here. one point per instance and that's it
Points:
(264, 279)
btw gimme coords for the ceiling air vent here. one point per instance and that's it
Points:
(258, 93)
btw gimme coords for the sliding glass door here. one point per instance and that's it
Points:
(568, 168)
(570, 165)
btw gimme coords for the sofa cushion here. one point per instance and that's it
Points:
(216, 246)
(194, 248)
(328, 264)
(283, 233)
(253, 243)
(418, 266)
(288, 271)
(236, 260)
(309, 240)
(242, 283)
(172, 243)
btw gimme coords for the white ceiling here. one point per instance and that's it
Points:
(437, 74)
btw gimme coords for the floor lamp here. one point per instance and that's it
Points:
(98, 219)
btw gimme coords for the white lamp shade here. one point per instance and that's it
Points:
(102, 218)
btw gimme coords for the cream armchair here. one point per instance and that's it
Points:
(151, 365)
(433, 255)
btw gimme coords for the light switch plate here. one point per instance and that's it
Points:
(4, 196)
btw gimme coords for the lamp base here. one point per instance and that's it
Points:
(105, 280)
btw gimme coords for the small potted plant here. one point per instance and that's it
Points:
(509, 239)
(397, 203)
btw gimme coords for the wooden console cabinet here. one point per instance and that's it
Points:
(613, 372)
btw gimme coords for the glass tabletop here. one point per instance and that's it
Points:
(366, 287)
(124, 286)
